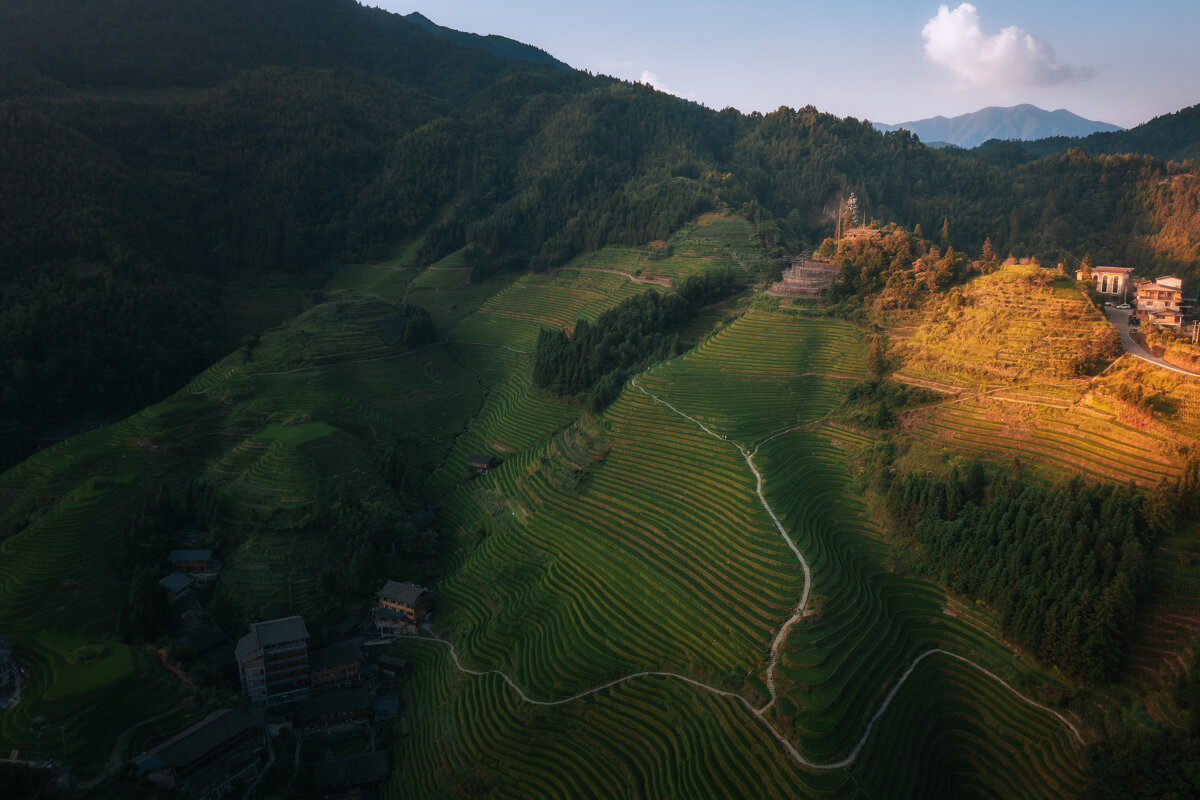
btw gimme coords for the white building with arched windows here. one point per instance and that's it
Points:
(1109, 280)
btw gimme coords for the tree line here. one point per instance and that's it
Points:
(1062, 565)
(597, 358)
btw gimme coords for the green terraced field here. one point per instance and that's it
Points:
(636, 542)
(384, 282)
(714, 242)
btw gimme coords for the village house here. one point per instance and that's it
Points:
(200, 564)
(480, 463)
(391, 666)
(339, 711)
(335, 666)
(350, 776)
(273, 661)
(1109, 280)
(402, 607)
(1159, 301)
(177, 585)
(210, 757)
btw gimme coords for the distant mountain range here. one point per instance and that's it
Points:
(1024, 122)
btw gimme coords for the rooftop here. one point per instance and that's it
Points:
(190, 555)
(1112, 270)
(335, 656)
(345, 702)
(209, 733)
(271, 632)
(403, 593)
(176, 582)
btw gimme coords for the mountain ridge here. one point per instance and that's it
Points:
(1025, 122)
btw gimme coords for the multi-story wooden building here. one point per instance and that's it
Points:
(273, 661)
(402, 607)
(209, 758)
(335, 666)
(202, 565)
(339, 711)
(1159, 301)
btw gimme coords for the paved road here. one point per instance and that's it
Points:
(1120, 320)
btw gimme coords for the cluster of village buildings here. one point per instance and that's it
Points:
(326, 692)
(1159, 301)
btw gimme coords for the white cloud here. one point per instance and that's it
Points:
(1010, 58)
(651, 79)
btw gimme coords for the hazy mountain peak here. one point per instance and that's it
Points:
(1024, 121)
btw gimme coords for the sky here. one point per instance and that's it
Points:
(882, 60)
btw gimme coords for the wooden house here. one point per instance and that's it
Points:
(339, 711)
(407, 598)
(335, 666)
(177, 585)
(480, 463)
(202, 565)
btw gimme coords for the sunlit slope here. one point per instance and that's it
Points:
(1016, 352)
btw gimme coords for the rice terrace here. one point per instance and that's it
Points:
(393, 411)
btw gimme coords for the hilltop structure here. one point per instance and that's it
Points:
(1109, 280)
(804, 276)
(1159, 301)
(273, 661)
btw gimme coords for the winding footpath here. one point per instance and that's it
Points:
(759, 713)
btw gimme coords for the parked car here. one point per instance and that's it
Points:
(1124, 306)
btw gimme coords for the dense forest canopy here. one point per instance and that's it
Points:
(157, 151)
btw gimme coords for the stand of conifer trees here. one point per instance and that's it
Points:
(597, 358)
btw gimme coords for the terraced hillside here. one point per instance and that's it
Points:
(637, 542)
(680, 596)
(309, 409)
(1015, 356)
(716, 241)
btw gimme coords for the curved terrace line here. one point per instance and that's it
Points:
(758, 713)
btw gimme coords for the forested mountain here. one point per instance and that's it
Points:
(153, 151)
(496, 45)
(1170, 137)
(1024, 121)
